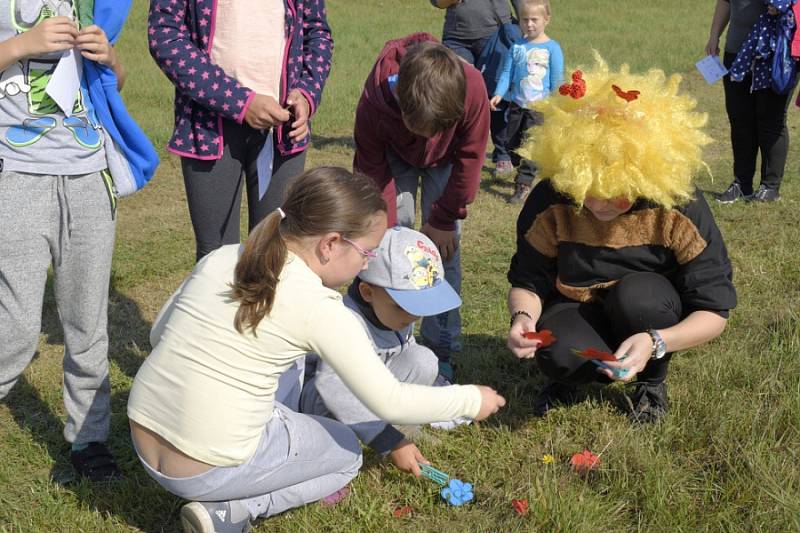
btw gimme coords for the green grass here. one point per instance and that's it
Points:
(725, 459)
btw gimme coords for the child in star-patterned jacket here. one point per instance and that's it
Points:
(247, 80)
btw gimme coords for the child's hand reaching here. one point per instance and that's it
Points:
(300, 110)
(54, 34)
(406, 456)
(491, 402)
(493, 101)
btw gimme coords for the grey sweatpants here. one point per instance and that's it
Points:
(67, 221)
(300, 459)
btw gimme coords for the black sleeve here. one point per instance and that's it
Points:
(532, 269)
(706, 282)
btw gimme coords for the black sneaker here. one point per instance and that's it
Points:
(765, 194)
(732, 194)
(551, 395)
(649, 403)
(96, 463)
(521, 191)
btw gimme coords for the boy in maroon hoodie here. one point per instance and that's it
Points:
(423, 123)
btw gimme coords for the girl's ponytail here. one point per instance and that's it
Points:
(320, 201)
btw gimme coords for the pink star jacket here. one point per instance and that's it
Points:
(180, 35)
(379, 126)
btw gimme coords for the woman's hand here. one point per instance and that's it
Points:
(712, 47)
(406, 456)
(491, 402)
(772, 10)
(300, 109)
(493, 101)
(54, 34)
(636, 350)
(265, 112)
(519, 345)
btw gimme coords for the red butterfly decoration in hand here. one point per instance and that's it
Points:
(628, 96)
(545, 337)
(599, 355)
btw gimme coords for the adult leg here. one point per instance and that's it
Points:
(773, 135)
(214, 191)
(640, 302)
(284, 169)
(27, 205)
(81, 290)
(463, 49)
(300, 459)
(740, 105)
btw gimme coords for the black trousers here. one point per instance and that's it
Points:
(214, 188)
(637, 303)
(520, 120)
(758, 123)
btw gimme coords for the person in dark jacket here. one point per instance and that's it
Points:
(616, 250)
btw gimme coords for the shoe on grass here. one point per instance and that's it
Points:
(648, 403)
(503, 168)
(95, 463)
(733, 193)
(765, 194)
(553, 395)
(215, 517)
(521, 191)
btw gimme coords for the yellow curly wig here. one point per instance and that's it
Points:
(603, 146)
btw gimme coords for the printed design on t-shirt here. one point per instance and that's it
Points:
(532, 85)
(29, 78)
(424, 266)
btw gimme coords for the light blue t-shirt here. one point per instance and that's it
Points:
(36, 137)
(530, 72)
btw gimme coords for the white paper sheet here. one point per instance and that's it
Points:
(264, 165)
(65, 83)
(711, 68)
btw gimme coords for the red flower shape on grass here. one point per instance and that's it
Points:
(584, 462)
(628, 96)
(400, 512)
(520, 506)
(600, 355)
(545, 337)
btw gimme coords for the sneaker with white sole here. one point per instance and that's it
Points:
(215, 517)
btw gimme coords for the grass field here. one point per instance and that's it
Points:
(724, 460)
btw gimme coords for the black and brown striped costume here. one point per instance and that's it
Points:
(572, 260)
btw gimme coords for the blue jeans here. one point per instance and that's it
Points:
(441, 332)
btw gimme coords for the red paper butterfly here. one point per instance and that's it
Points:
(545, 337)
(520, 506)
(628, 96)
(400, 512)
(600, 355)
(584, 462)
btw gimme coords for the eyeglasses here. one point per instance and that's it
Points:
(359, 249)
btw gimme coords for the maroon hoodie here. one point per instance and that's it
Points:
(379, 126)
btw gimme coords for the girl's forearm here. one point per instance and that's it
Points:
(696, 329)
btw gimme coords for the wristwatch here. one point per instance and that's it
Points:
(659, 346)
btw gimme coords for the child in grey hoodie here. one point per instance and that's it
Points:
(403, 282)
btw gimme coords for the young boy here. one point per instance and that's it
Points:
(55, 207)
(423, 122)
(531, 71)
(402, 283)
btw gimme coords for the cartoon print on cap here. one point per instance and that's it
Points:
(425, 271)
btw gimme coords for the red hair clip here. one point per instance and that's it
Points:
(628, 96)
(576, 89)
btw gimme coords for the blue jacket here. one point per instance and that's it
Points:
(490, 61)
(132, 160)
